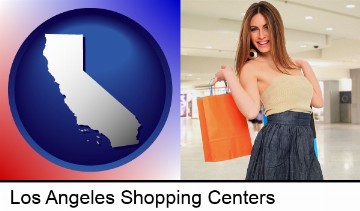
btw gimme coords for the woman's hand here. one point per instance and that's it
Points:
(221, 74)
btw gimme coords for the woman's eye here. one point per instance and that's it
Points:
(253, 29)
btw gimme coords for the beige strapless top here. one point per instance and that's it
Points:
(287, 93)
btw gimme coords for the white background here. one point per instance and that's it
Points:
(288, 196)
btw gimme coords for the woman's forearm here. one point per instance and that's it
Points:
(247, 106)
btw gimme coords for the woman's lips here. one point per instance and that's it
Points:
(262, 43)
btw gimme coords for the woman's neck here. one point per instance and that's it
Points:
(265, 56)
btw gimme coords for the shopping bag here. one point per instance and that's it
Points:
(312, 125)
(224, 130)
(264, 119)
(316, 148)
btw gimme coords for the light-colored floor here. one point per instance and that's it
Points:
(338, 149)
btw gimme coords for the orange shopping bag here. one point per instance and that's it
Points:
(224, 129)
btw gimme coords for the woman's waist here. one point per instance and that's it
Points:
(290, 118)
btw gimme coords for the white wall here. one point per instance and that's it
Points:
(324, 74)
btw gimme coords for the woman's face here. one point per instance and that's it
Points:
(259, 32)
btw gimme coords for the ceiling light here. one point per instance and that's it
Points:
(209, 47)
(350, 6)
(329, 29)
(303, 46)
(308, 17)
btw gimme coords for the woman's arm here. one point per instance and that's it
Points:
(245, 94)
(317, 100)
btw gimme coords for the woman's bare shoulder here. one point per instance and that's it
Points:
(301, 62)
(249, 69)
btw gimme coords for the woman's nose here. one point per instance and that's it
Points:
(261, 34)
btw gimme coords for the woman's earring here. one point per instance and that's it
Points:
(253, 54)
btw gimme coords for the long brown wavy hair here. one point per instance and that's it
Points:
(278, 51)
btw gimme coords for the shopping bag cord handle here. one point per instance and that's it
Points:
(211, 90)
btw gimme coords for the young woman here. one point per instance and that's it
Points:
(264, 73)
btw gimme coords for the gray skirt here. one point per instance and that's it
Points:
(284, 150)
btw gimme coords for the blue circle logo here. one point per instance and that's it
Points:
(90, 89)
